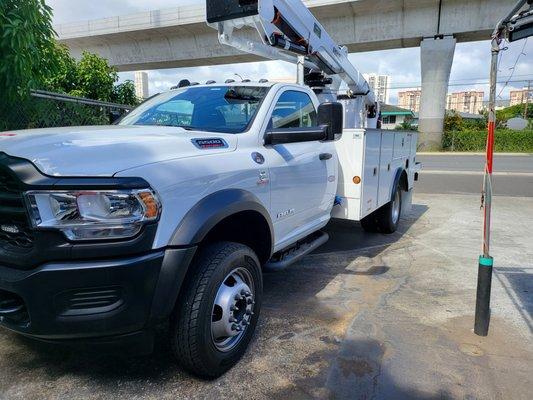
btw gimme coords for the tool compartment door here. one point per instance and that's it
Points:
(370, 178)
(386, 173)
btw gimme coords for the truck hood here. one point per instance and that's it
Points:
(107, 150)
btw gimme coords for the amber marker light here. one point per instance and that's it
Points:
(151, 204)
(357, 180)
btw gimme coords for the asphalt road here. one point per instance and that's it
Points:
(463, 174)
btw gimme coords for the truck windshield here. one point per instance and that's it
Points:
(225, 109)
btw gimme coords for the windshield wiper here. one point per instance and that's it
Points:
(190, 128)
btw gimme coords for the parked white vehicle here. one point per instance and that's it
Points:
(174, 213)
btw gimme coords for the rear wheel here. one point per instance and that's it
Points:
(387, 218)
(217, 314)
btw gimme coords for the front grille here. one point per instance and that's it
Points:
(15, 232)
(13, 309)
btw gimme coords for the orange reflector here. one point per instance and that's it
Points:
(152, 208)
(356, 180)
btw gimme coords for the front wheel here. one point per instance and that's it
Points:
(217, 314)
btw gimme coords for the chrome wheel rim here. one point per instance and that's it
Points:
(232, 309)
(396, 208)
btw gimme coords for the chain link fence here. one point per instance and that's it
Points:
(48, 110)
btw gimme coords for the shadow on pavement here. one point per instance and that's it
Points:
(518, 283)
(349, 236)
(290, 298)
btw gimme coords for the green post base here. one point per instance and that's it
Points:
(484, 284)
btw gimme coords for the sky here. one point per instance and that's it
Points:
(470, 69)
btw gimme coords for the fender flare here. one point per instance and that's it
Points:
(193, 228)
(397, 178)
(211, 210)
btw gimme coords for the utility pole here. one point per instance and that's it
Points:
(516, 25)
(527, 99)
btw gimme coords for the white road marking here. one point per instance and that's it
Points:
(474, 173)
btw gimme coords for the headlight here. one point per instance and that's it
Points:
(93, 215)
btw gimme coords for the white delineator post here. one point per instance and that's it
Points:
(437, 59)
(486, 262)
(484, 284)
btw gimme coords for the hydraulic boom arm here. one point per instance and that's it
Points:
(288, 31)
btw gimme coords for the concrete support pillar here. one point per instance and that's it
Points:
(437, 60)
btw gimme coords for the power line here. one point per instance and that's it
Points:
(417, 83)
(513, 68)
(458, 84)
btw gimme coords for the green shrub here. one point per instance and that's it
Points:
(475, 140)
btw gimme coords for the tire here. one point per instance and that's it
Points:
(203, 309)
(369, 223)
(388, 217)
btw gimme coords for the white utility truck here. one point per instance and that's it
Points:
(173, 214)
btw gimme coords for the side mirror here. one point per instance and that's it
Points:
(332, 116)
(295, 135)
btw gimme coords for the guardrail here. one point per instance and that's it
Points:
(45, 109)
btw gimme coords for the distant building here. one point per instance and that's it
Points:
(519, 96)
(141, 85)
(393, 116)
(465, 102)
(380, 85)
(410, 99)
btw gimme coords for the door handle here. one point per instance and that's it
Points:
(325, 156)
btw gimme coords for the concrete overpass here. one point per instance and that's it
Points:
(179, 37)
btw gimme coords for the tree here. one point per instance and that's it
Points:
(95, 77)
(406, 125)
(91, 77)
(65, 78)
(453, 122)
(27, 46)
(125, 94)
(514, 111)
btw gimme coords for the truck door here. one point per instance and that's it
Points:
(301, 174)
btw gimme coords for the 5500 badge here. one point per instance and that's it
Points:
(210, 143)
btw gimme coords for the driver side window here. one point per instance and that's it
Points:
(294, 110)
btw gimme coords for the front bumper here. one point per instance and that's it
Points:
(92, 299)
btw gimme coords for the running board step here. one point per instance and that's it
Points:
(295, 253)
